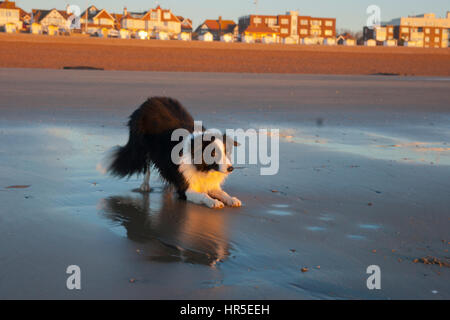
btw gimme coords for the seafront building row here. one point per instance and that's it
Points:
(290, 28)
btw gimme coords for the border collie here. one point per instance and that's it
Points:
(150, 145)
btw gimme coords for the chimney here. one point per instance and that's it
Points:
(125, 11)
(448, 14)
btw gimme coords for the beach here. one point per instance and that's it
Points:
(47, 52)
(362, 181)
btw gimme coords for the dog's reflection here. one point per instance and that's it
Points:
(170, 230)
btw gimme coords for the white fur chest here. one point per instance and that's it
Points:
(202, 181)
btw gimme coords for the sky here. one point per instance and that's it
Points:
(350, 14)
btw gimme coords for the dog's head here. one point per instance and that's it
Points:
(211, 151)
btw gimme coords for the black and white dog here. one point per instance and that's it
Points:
(150, 145)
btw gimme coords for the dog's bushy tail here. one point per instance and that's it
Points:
(127, 160)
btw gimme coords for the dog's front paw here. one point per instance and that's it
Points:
(234, 202)
(215, 204)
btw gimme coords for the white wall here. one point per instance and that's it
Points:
(10, 16)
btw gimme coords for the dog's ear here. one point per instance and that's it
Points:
(230, 140)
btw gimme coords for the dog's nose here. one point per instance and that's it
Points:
(230, 169)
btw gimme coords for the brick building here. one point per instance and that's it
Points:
(424, 30)
(291, 25)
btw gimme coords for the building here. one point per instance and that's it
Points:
(346, 39)
(425, 30)
(25, 17)
(95, 21)
(259, 33)
(124, 34)
(207, 37)
(10, 16)
(51, 20)
(152, 21)
(186, 24)
(161, 35)
(35, 28)
(291, 25)
(379, 33)
(117, 20)
(370, 43)
(330, 41)
(185, 36)
(247, 38)
(227, 37)
(218, 28)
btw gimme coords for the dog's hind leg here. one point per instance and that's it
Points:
(145, 186)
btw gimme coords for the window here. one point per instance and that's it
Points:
(437, 39)
(427, 30)
(329, 23)
(256, 20)
(405, 29)
(154, 15)
(304, 22)
(272, 22)
(427, 39)
(284, 30)
(284, 21)
(167, 15)
(304, 31)
(437, 31)
(316, 22)
(328, 32)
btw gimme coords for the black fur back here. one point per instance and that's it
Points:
(151, 127)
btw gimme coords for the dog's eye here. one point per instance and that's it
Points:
(213, 153)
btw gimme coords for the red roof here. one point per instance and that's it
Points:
(217, 25)
(187, 20)
(260, 29)
(173, 18)
(8, 5)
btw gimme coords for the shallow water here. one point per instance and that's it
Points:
(346, 199)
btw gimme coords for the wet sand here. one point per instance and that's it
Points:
(363, 180)
(34, 51)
